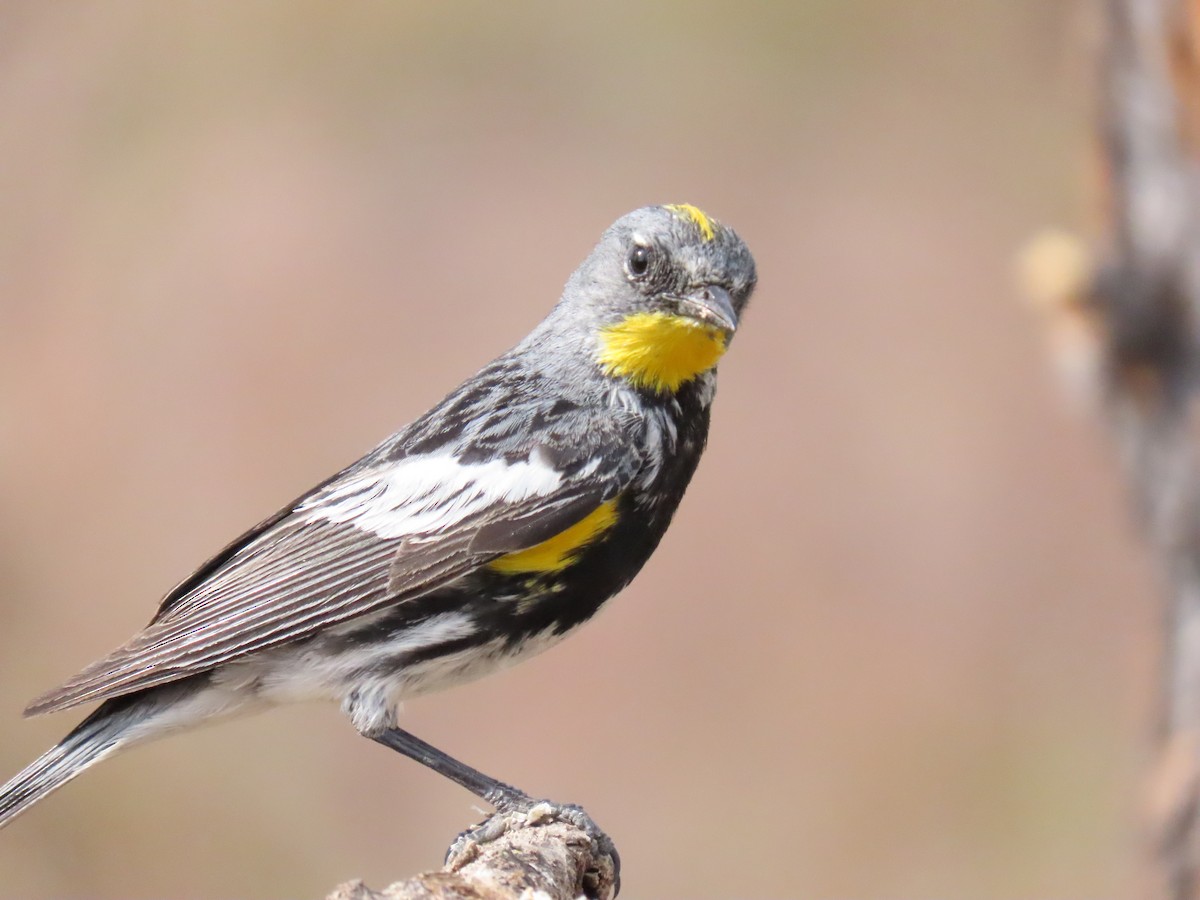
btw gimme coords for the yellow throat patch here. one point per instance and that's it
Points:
(556, 553)
(697, 217)
(659, 350)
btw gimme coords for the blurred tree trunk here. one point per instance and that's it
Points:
(1144, 307)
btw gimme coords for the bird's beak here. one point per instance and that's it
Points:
(711, 305)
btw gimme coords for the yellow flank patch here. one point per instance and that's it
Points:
(698, 218)
(659, 350)
(558, 552)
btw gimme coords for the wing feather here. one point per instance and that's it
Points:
(365, 540)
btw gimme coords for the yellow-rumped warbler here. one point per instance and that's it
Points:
(484, 532)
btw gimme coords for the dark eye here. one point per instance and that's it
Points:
(638, 263)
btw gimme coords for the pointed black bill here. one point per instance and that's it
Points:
(711, 305)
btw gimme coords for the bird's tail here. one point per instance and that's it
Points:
(99, 735)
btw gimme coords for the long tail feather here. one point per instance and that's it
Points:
(100, 735)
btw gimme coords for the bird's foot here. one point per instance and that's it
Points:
(515, 810)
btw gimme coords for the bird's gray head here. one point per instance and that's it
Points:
(660, 296)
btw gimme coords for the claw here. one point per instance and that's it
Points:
(518, 810)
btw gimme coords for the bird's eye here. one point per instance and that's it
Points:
(638, 263)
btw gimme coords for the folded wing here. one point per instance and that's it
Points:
(373, 536)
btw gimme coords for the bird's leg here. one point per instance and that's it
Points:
(514, 808)
(500, 795)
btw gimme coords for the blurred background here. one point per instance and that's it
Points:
(901, 639)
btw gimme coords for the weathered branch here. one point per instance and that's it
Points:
(536, 855)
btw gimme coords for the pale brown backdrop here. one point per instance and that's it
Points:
(900, 641)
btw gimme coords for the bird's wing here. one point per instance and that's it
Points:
(372, 536)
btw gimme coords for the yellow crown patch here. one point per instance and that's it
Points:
(696, 216)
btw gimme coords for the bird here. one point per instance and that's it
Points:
(486, 531)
